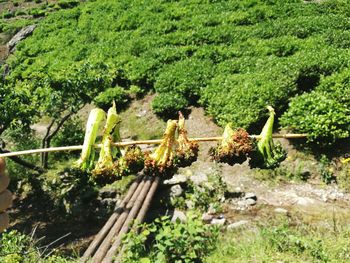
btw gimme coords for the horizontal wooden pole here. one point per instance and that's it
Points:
(123, 144)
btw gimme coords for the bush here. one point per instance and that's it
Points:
(168, 104)
(105, 99)
(323, 113)
(235, 57)
(72, 133)
(72, 192)
(188, 241)
(187, 78)
(68, 3)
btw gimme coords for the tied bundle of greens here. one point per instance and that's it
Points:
(113, 162)
(161, 161)
(105, 165)
(187, 151)
(234, 146)
(267, 154)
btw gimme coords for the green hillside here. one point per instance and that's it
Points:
(231, 57)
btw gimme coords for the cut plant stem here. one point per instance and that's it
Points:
(86, 159)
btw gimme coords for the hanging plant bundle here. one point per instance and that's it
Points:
(186, 151)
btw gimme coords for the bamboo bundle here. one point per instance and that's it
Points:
(111, 221)
(126, 226)
(134, 206)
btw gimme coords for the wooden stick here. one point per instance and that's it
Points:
(111, 221)
(133, 213)
(146, 204)
(104, 247)
(123, 144)
(141, 215)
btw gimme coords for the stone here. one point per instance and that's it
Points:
(250, 196)
(207, 217)
(141, 113)
(211, 209)
(304, 201)
(22, 34)
(190, 204)
(176, 179)
(179, 215)
(176, 190)
(216, 221)
(280, 210)
(199, 178)
(237, 224)
(250, 201)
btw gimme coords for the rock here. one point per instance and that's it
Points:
(207, 217)
(189, 204)
(211, 209)
(304, 201)
(178, 215)
(216, 221)
(280, 210)
(22, 34)
(199, 178)
(141, 113)
(250, 201)
(250, 196)
(176, 190)
(237, 224)
(245, 203)
(176, 179)
(107, 193)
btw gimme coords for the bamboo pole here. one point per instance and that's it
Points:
(133, 213)
(146, 204)
(141, 215)
(104, 247)
(111, 221)
(123, 144)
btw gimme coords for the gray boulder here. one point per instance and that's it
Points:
(22, 34)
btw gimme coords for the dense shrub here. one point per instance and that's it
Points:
(234, 57)
(324, 113)
(117, 94)
(168, 104)
(177, 241)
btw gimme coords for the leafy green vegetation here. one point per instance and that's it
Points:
(283, 242)
(177, 241)
(232, 57)
(201, 196)
(17, 247)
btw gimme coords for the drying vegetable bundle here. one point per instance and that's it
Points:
(267, 154)
(113, 162)
(234, 147)
(186, 151)
(161, 161)
(172, 153)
